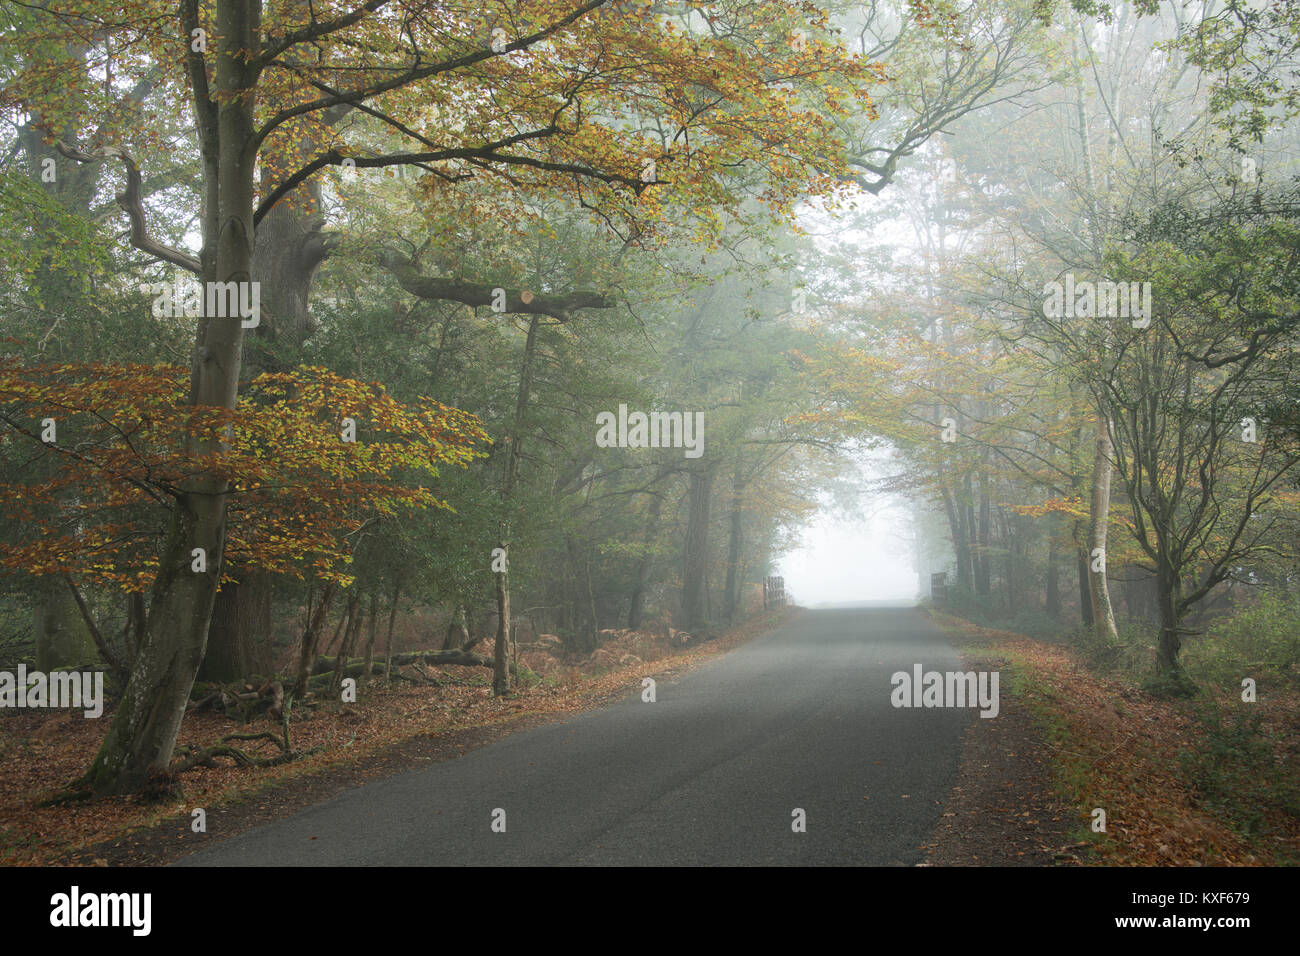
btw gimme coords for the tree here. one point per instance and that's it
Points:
(1201, 480)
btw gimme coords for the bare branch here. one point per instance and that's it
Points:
(130, 201)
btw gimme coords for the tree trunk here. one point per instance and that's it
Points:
(957, 528)
(349, 637)
(1011, 542)
(1103, 615)
(1170, 639)
(983, 583)
(582, 622)
(374, 623)
(310, 637)
(388, 644)
(290, 247)
(636, 612)
(143, 734)
(147, 722)
(1085, 590)
(1053, 598)
(972, 530)
(591, 601)
(61, 635)
(731, 598)
(287, 250)
(239, 643)
(328, 666)
(345, 621)
(457, 633)
(501, 657)
(694, 598)
(501, 674)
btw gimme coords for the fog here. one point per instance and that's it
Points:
(840, 562)
(859, 546)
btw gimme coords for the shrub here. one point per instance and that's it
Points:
(1234, 771)
(1262, 641)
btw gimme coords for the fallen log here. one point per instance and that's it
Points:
(356, 665)
(241, 701)
(244, 700)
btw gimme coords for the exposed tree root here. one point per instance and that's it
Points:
(195, 757)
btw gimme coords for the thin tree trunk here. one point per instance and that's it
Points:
(370, 635)
(349, 638)
(957, 529)
(1053, 599)
(501, 672)
(388, 644)
(591, 601)
(1103, 615)
(1085, 589)
(983, 582)
(636, 612)
(584, 638)
(310, 637)
(972, 529)
(731, 598)
(501, 658)
(345, 621)
(694, 589)
(1010, 542)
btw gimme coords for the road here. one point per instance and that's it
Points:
(708, 774)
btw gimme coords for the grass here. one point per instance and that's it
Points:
(1072, 779)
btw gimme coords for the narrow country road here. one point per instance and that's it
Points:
(707, 774)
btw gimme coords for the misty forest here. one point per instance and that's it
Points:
(403, 374)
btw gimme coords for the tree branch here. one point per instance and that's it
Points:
(130, 201)
(115, 665)
(560, 307)
(418, 72)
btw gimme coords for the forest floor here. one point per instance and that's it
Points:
(392, 727)
(1178, 787)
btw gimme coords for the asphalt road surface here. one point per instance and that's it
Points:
(708, 774)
